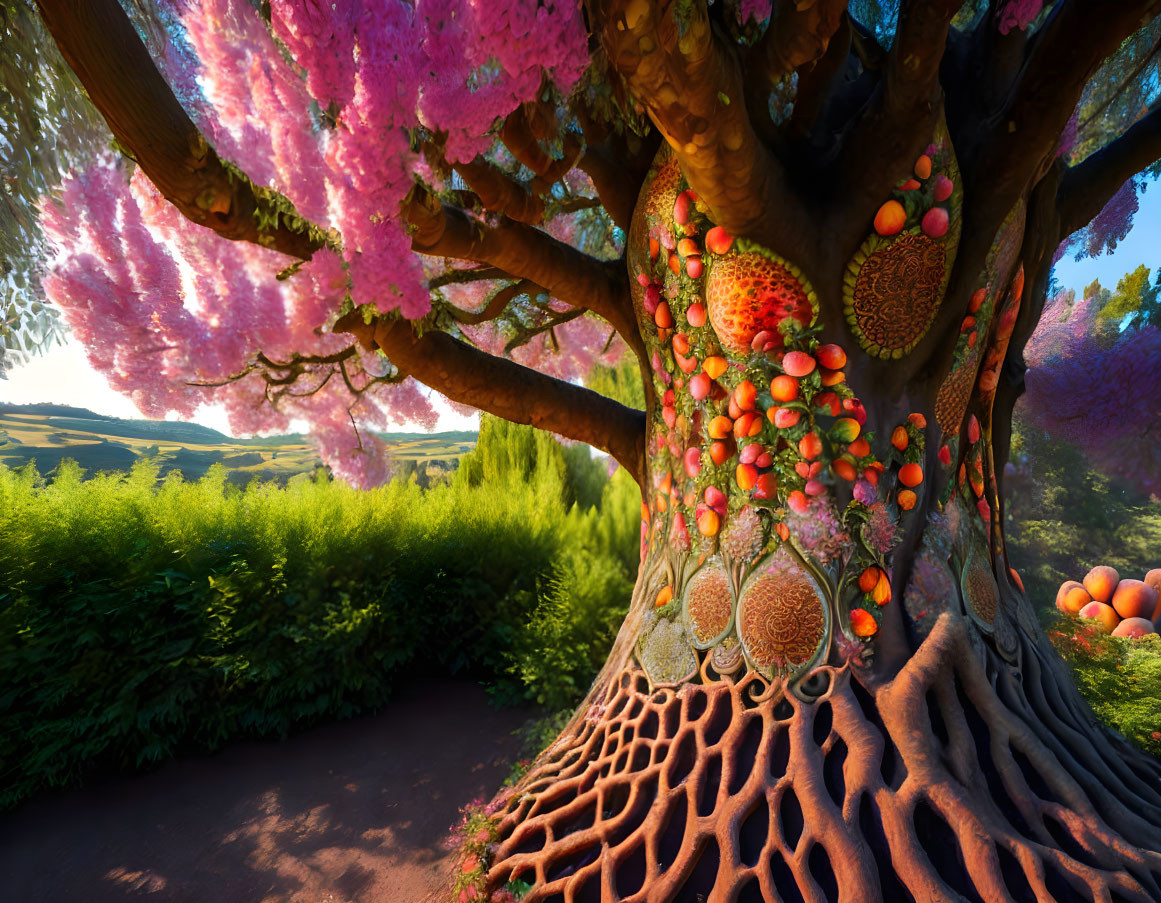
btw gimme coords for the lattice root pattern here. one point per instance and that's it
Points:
(958, 774)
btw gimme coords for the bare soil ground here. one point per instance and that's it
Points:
(345, 813)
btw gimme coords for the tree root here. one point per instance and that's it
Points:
(963, 778)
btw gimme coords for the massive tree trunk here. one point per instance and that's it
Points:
(830, 684)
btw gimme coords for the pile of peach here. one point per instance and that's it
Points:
(1126, 608)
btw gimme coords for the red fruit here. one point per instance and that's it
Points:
(748, 293)
(681, 343)
(944, 455)
(890, 218)
(943, 188)
(935, 222)
(796, 363)
(718, 241)
(911, 475)
(746, 395)
(814, 488)
(748, 425)
(1134, 599)
(652, 298)
(715, 498)
(696, 315)
(766, 487)
(693, 267)
(700, 385)
(973, 429)
(692, 461)
(682, 207)
(1134, 628)
(831, 356)
(977, 299)
(720, 427)
(784, 418)
(923, 167)
(708, 521)
(909, 185)
(687, 364)
(863, 623)
(810, 446)
(669, 415)
(1075, 599)
(715, 366)
(869, 578)
(829, 402)
(720, 452)
(860, 448)
(764, 460)
(669, 397)
(844, 469)
(663, 318)
(747, 477)
(750, 453)
(798, 502)
(1104, 614)
(917, 420)
(1101, 582)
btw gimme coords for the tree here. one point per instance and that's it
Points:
(825, 232)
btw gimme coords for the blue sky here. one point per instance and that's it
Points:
(62, 375)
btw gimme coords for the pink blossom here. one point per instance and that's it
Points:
(1017, 14)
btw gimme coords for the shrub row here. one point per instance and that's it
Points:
(139, 619)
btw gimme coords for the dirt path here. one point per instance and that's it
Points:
(348, 812)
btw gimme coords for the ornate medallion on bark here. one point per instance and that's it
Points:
(709, 605)
(664, 650)
(783, 620)
(981, 597)
(955, 393)
(752, 293)
(896, 281)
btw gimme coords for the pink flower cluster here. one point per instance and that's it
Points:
(162, 304)
(1017, 14)
(381, 68)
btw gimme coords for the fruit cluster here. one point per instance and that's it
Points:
(1124, 608)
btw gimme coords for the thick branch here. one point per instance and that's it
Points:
(892, 133)
(817, 81)
(500, 193)
(798, 33)
(98, 41)
(507, 389)
(1062, 57)
(1088, 186)
(691, 86)
(527, 253)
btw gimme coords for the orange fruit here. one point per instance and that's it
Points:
(890, 218)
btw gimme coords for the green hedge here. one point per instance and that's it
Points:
(138, 619)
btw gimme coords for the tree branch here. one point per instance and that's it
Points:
(1061, 57)
(1088, 186)
(98, 41)
(892, 133)
(496, 304)
(507, 389)
(817, 81)
(527, 253)
(691, 86)
(798, 33)
(500, 193)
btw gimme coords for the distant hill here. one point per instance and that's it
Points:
(48, 433)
